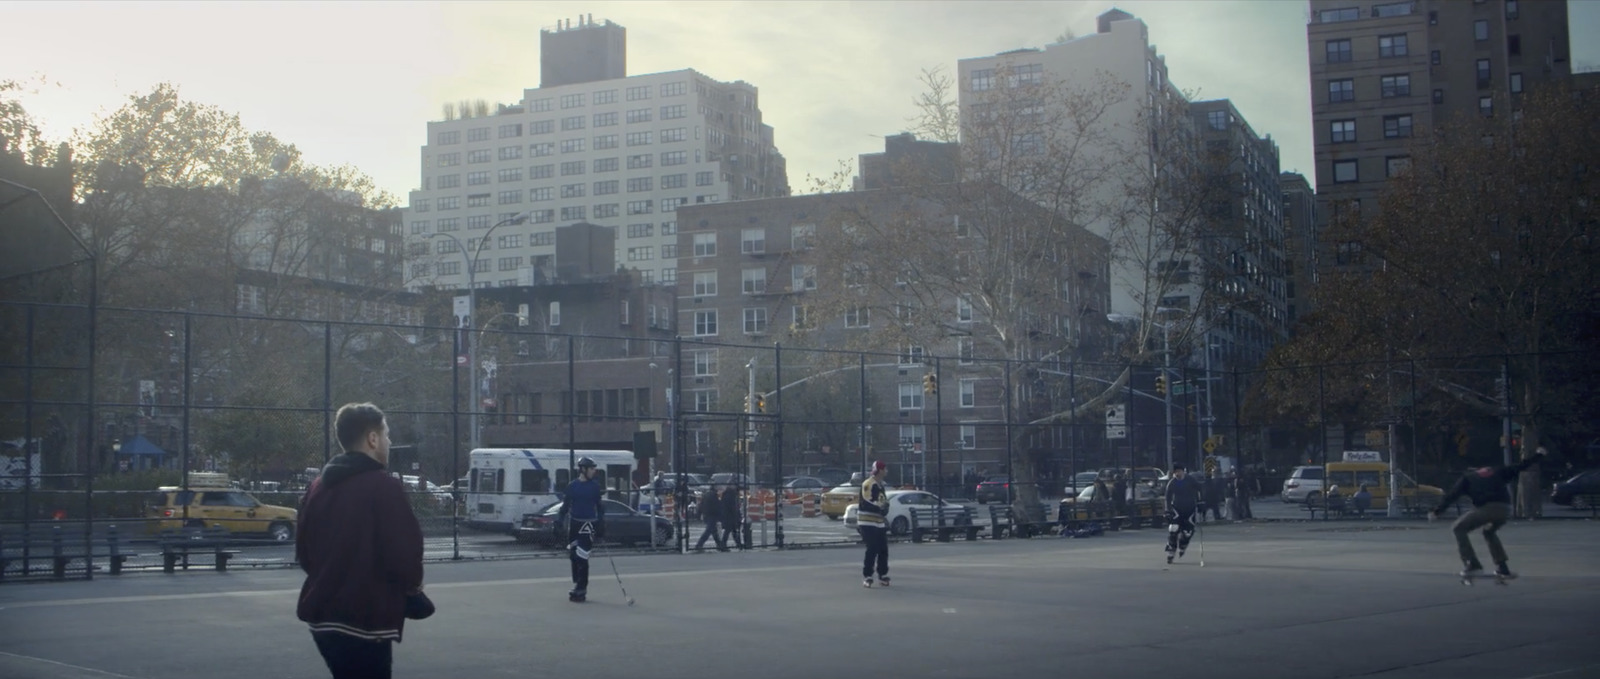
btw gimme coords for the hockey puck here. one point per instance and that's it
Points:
(630, 601)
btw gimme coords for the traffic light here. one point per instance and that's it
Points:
(746, 408)
(1161, 385)
(930, 384)
(761, 404)
(1191, 413)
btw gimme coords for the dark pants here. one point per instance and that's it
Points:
(580, 540)
(1492, 515)
(735, 529)
(877, 539)
(1180, 529)
(711, 532)
(1216, 508)
(351, 657)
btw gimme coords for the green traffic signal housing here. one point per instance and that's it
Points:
(1161, 385)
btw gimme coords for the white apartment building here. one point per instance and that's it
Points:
(1119, 49)
(622, 152)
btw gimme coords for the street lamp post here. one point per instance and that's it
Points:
(472, 308)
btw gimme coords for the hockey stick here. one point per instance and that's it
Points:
(625, 589)
(1202, 533)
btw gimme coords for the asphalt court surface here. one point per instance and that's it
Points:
(1273, 600)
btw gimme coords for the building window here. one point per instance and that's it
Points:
(674, 134)
(450, 203)
(705, 362)
(1217, 119)
(639, 93)
(1438, 96)
(510, 263)
(753, 281)
(419, 227)
(541, 171)
(674, 112)
(605, 141)
(605, 97)
(674, 158)
(969, 437)
(571, 100)
(669, 228)
(1480, 30)
(910, 396)
(607, 211)
(639, 138)
(1344, 171)
(541, 127)
(542, 149)
(572, 145)
(1329, 16)
(509, 175)
(705, 284)
(543, 237)
(574, 167)
(963, 310)
(510, 130)
(705, 322)
(451, 137)
(447, 225)
(1516, 83)
(669, 250)
(1341, 90)
(478, 222)
(753, 241)
(802, 236)
(478, 134)
(1483, 71)
(639, 207)
(639, 115)
(755, 321)
(705, 245)
(642, 253)
(478, 200)
(1486, 106)
(511, 197)
(676, 89)
(1392, 45)
(1396, 127)
(1348, 253)
(606, 165)
(605, 119)
(803, 277)
(1342, 131)
(857, 317)
(641, 162)
(671, 204)
(478, 156)
(1436, 57)
(982, 79)
(555, 314)
(674, 181)
(964, 350)
(1338, 51)
(1395, 166)
(511, 241)
(449, 159)
(969, 392)
(644, 230)
(449, 268)
(573, 214)
(541, 194)
(1514, 45)
(800, 317)
(703, 178)
(1395, 86)
(637, 184)
(1511, 9)
(1394, 9)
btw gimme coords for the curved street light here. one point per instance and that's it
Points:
(472, 307)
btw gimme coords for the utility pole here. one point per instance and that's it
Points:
(1166, 372)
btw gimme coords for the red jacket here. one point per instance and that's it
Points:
(361, 548)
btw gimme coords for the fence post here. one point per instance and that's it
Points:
(57, 554)
(777, 442)
(112, 550)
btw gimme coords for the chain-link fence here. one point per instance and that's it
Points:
(244, 405)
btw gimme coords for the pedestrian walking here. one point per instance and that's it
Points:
(361, 549)
(732, 518)
(1214, 490)
(1245, 486)
(583, 512)
(1184, 498)
(1491, 508)
(711, 512)
(1119, 495)
(872, 511)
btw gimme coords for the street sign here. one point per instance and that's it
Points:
(1181, 388)
(1210, 445)
(1116, 422)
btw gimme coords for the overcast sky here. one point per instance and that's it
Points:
(355, 82)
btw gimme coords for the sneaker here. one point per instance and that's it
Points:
(1472, 571)
(1180, 553)
(883, 580)
(1169, 557)
(1504, 573)
(867, 583)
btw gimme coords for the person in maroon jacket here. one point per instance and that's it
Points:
(361, 548)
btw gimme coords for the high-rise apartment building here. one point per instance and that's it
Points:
(622, 152)
(1384, 72)
(1300, 249)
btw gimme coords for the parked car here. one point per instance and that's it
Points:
(1080, 481)
(623, 525)
(1577, 491)
(992, 489)
(172, 508)
(804, 484)
(1304, 483)
(415, 485)
(729, 479)
(901, 503)
(834, 502)
(832, 476)
(1088, 504)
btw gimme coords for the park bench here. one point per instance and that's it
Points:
(60, 548)
(1003, 519)
(1338, 507)
(943, 522)
(1591, 499)
(176, 548)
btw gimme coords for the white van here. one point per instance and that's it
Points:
(507, 483)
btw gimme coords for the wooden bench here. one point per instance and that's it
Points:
(60, 548)
(1003, 519)
(1592, 499)
(1340, 507)
(176, 548)
(944, 522)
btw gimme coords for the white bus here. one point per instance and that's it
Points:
(506, 483)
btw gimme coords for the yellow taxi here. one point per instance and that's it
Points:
(835, 501)
(212, 503)
(1350, 476)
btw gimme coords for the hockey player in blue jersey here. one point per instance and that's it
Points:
(1184, 499)
(584, 513)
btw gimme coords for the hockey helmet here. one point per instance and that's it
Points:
(585, 462)
(879, 465)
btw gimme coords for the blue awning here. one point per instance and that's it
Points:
(140, 445)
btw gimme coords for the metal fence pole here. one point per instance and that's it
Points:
(327, 392)
(455, 442)
(777, 440)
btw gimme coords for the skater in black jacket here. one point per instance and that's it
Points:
(1184, 499)
(1491, 507)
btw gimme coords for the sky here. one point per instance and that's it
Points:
(356, 82)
